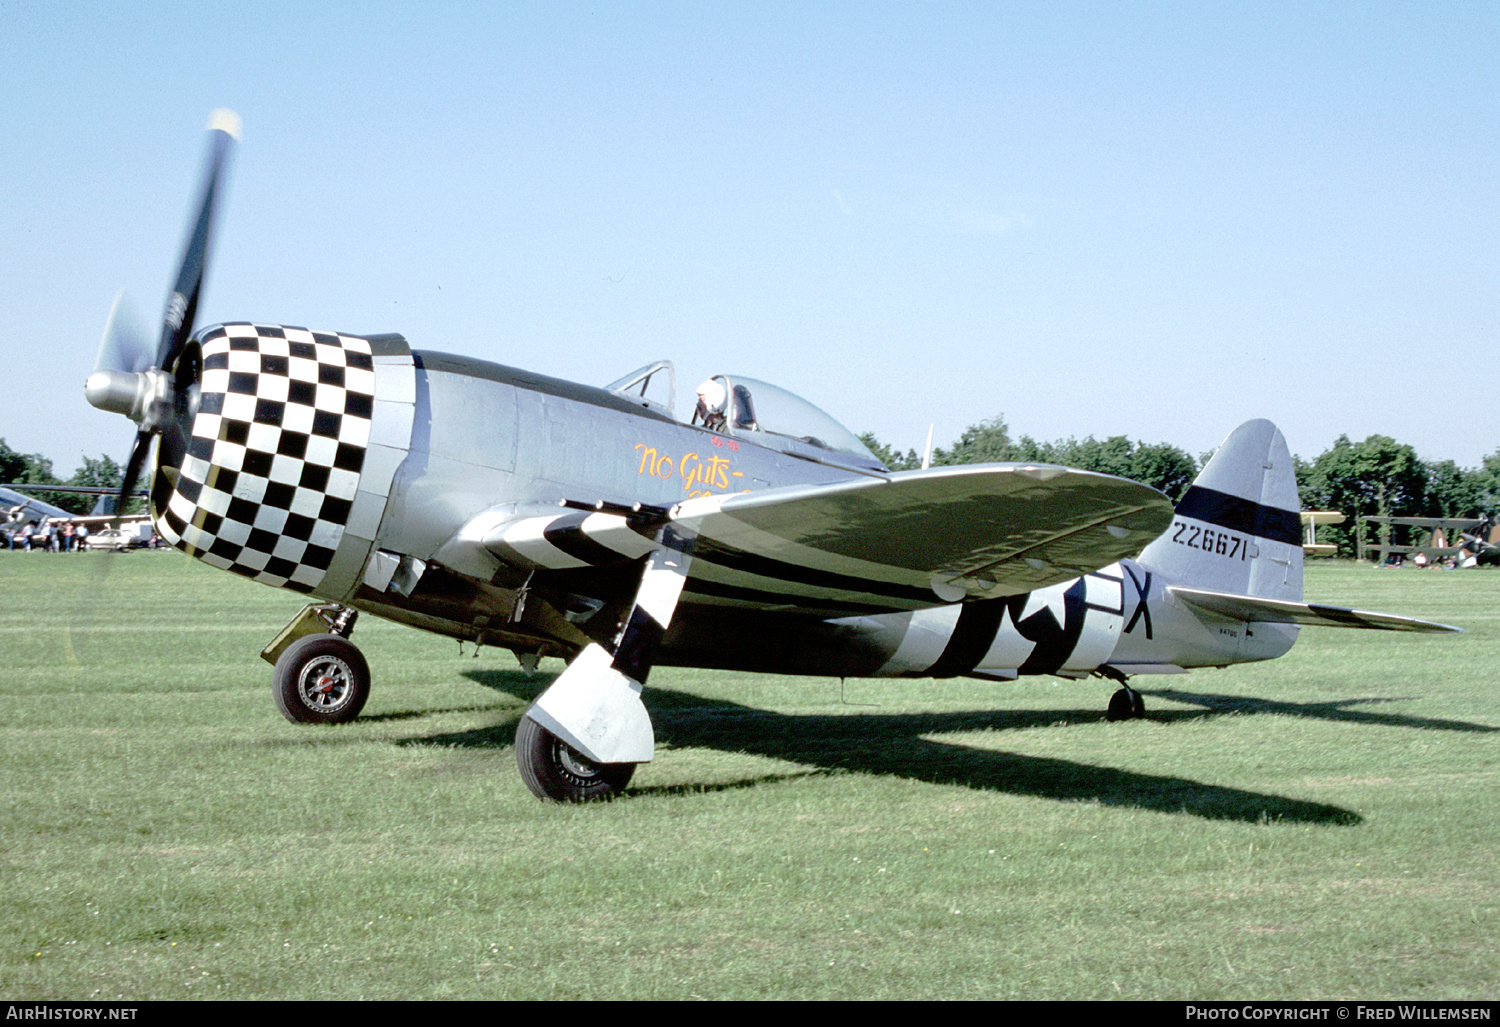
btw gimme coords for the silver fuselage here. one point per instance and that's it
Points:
(372, 461)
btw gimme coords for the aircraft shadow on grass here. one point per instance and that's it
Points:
(1338, 709)
(900, 745)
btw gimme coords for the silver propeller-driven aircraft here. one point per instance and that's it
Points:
(511, 509)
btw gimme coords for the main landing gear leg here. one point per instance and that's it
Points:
(584, 735)
(319, 677)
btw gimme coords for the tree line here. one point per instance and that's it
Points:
(35, 469)
(1162, 466)
(1376, 477)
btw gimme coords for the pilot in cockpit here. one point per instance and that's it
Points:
(725, 407)
(712, 401)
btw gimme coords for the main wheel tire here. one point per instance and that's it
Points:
(554, 770)
(321, 679)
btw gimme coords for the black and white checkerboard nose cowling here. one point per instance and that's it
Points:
(274, 455)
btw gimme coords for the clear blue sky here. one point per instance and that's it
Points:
(1143, 219)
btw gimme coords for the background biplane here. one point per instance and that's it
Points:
(1467, 541)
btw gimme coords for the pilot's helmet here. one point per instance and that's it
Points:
(711, 396)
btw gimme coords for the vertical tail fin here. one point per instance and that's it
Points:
(1238, 528)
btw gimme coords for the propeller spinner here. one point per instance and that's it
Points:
(158, 389)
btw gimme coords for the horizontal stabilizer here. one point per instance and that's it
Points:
(1280, 611)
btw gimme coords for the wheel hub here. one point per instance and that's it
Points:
(325, 684)
(576, 765)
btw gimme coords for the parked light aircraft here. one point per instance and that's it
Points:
(21, 509)
(507, 508)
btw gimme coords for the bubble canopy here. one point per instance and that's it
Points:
(756, 411)
(766, 414)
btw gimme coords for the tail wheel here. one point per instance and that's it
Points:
(554, 770)
(1126, 704)
(321, 679)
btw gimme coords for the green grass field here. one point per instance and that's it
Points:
(1324, 826)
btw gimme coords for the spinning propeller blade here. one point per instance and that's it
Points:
(182, 304)
(124, 345)
(149, 387)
